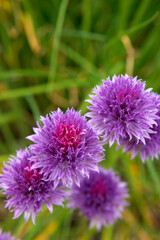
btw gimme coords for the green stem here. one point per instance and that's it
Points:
(154, 175)
(33, 106)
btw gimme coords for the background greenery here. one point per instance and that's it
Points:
(52, 53)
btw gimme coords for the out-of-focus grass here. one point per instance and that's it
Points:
(52, 53)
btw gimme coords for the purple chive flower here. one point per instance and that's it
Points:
(66, 147)
(26, 188)
(122, 108)
(6, 236)
(101, 197)
(151, 148)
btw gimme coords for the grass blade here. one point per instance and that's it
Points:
(42, 88)
(56, 40)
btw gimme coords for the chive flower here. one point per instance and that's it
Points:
(26, 188)
(101, 198)
(66, 147)
(122, 108)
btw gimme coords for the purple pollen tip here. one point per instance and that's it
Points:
(68, 135)
(99, 188)
(31, 175)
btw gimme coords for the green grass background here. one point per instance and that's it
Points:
(52, 53)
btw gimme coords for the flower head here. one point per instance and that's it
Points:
(6, 236)
(122, 108)
(26, 188)
(151, 148)
(66, 147)
(101, 198)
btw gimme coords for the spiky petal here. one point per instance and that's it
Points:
(151, 148)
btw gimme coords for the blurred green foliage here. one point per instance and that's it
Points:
(52, 53)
